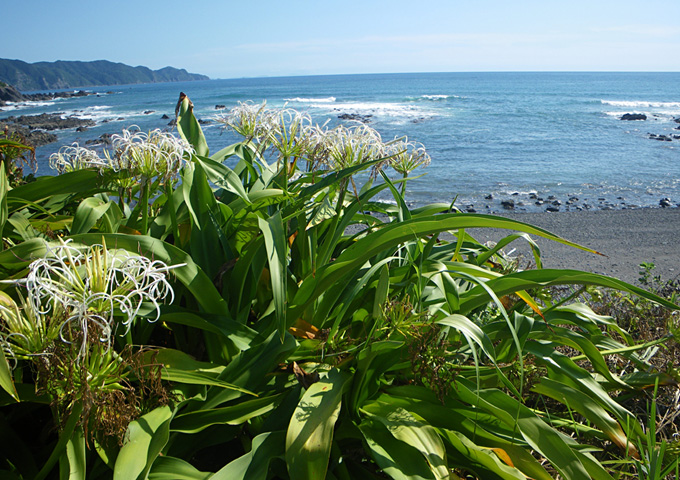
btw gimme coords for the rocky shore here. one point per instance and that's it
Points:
(36, 129)
(10, 94)
(533, 202)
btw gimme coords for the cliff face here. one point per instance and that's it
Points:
(66, 74)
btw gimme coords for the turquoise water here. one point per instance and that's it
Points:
(508, 135)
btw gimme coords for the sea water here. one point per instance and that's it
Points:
(532, 138)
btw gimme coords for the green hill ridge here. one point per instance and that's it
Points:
(69, 74)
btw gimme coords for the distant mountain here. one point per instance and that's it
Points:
(65, 74)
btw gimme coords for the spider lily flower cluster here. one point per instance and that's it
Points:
(74, 157)
(293, 135)
(75, 293)
(156, 154)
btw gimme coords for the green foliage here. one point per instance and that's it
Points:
(295, 326)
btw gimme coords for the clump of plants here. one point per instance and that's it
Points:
(257, 312)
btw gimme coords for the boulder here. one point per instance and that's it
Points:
(634, 116)
(356, 117)
(665, 202)
(508, 204)
(220, 107)
(104, 139)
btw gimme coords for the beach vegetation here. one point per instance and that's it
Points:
(275, 309)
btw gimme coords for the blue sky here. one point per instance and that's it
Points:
(226, 39)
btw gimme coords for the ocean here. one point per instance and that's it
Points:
(537, 140)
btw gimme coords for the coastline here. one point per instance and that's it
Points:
(627, 238)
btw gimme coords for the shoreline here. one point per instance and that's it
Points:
(627, 237)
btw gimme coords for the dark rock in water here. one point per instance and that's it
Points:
(165, 117)
(120, 119)
(533, 196)
(470, 209)
(539, 202)
(508, 204)
(634, 116)
(220, 107)
(104, 139)
(204, 122)
(557, 203)
(356, 117)
(81, 129)
(488, 197)
(552, 209)
(51, 121)
(677, 137)
(172, 123)
(676, 120)
(665, 202)
(148, 112)
(35, 138)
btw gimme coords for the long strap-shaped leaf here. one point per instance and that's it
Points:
(146, 438)
(310, 432)
(275, 243)
(392, 236)
(529, 279)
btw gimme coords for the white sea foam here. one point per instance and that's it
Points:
(381, 109)
(24, 105)
(311, 100)
(103, 113)
(640, 104)
(438, 97)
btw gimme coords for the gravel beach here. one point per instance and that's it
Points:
(626, 237)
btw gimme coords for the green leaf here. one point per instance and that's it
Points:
(404, 426)
(6, 381)
(189, 128)
(89, 211)
(232, 415)
(146, 437)
(398, 459)
(80, 181)
(554, 446)
(310, 432)
(393, 235)
(274, 234)
(584, 404)
(240, 335)
(472, 455)
(171, 468)
(4, 188)
(254, 465)
(529, 279)
(75, 452)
